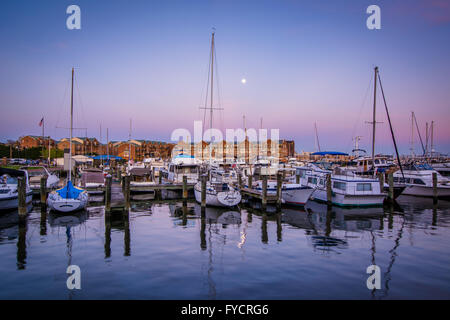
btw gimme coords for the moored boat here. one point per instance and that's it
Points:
(8, 188)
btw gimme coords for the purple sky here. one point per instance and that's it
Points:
(304, 61)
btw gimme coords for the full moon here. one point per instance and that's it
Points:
(244, 81)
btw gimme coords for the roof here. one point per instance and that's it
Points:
(331, 153)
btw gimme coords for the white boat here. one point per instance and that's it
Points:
(69, 198)
(35, 175)
(419, 181)
(8, 188)
(347, 190)
(181, 165)
(218, 192)
(291, 193)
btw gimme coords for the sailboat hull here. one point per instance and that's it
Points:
(57, 203)
(228, 198)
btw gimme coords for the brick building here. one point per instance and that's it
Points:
(25, 142)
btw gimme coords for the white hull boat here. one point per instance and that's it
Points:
(8, 188)
(346, 190)
(68, 199)
(218, 196)
(291, 193)
(418, 179)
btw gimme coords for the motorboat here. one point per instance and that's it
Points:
(418, 179)
(8, 188)
(348, 190)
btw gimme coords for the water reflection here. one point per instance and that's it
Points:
(119, 222)
(223, 250)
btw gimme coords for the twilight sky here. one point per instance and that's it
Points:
(304, 62)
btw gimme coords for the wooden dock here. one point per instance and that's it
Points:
(118, 202)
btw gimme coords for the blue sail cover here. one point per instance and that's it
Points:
(69, 191)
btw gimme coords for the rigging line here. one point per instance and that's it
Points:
(420, 136)
(390, 126)
(61, 105)
(207, 91)
(81, 104)
(219, 97)
(360, 110)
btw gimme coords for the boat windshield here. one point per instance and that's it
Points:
(6, 179)
(187, 169)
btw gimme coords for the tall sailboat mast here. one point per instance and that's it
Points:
(211, 105)
(71, 128)
(374, 123)
(129, 145)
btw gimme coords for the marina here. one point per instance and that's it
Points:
(224, 150)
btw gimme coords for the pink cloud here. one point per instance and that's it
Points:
(436, 12)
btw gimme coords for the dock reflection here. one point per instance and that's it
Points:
(119, 222)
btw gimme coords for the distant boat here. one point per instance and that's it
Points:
(8, 188)
(69, 198)
(419, 181)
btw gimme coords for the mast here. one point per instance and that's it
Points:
(107, 144)
(71, 128)
(317, 137)
(259, 138)
(211, 105)
(432, 138)
(412, 134)
(426, 139)
(374, 118)
(101, 149)
(129, 145)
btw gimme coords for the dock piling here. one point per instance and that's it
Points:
(127, 193)
(264, 193)
(329, 191)
(108, 181)
(279, 186)
(203, 191)
(43, 191)
(381, 179)
(435, 194)
(22, 196)
(250, 181)
(185, 189)
(391, 186)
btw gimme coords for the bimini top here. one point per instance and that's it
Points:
(69, 191)
(12, 172)
(105, 157)
(184, 159)
(331, 153)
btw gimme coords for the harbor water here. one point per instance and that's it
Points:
(163, 250)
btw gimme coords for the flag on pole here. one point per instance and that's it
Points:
(41, 122)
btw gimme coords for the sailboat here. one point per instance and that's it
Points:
(219, 193)
(69, 198)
